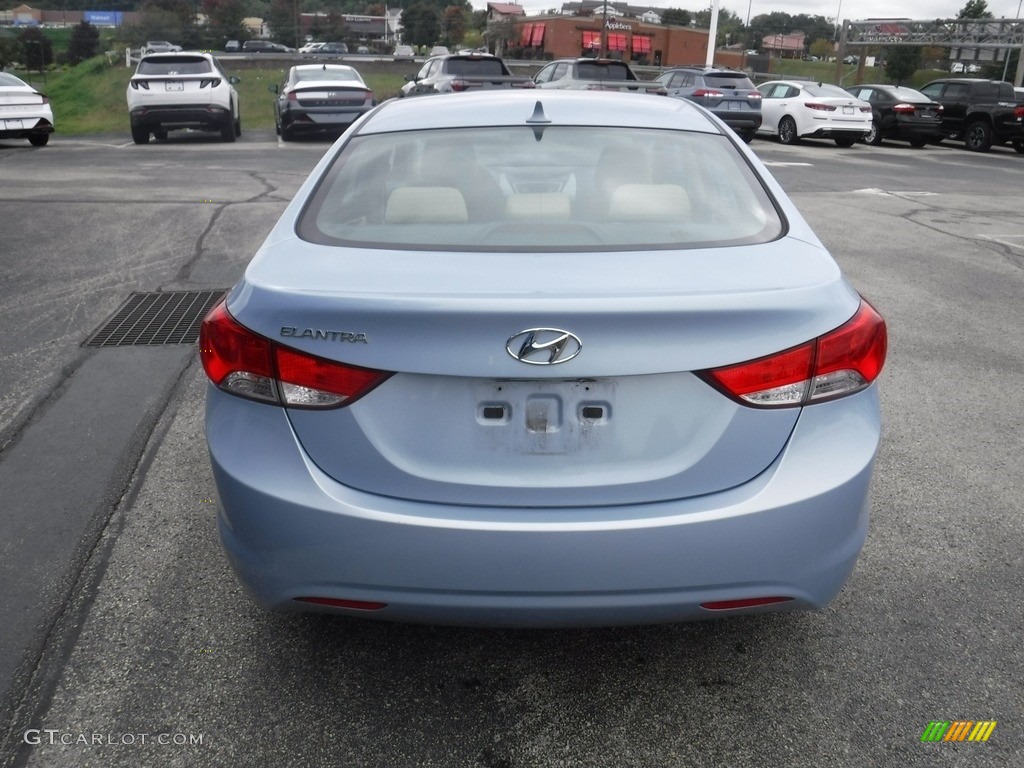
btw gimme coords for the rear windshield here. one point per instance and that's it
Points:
(334, 75)
(174, 65)
(826, 90)
(609, 71)
(483, 67)
(562, 188)
(729, 80)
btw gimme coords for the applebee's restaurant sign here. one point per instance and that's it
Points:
(613, 24)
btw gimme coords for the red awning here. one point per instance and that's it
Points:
(538, 35)
(641, 45)
(525, 32)
(591, 39)
(616, 42)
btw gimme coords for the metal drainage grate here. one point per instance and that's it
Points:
(152, 319)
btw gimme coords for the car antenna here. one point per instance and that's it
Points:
(539, 120)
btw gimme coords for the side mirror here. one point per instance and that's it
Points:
(234, 80)
(411, 78)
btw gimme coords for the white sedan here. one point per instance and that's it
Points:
(24, 112)
(794, 110)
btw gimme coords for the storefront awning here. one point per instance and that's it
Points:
(616, 42)
(641, 44)
(538, 36)
(591, 39)
(525, 33)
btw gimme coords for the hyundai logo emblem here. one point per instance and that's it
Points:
(544, 346)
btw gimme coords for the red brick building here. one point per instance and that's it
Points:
(628, 38)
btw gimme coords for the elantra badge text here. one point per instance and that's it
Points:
(321, 335)
(544, 346)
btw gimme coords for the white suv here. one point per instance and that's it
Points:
(182, 90)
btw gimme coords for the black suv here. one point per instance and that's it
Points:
(979, 112)
(727, 93)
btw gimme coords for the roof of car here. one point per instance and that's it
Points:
(533, 108)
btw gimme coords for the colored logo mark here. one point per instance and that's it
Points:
(958, 730)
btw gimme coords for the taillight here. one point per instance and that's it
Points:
(246, 364)
(459, 85)
(293, 96)
(754, 95)
(904, 109)
(1018, 111)
(708, 93)
(136, 84)
(212, 82)
(819, 107)
(865, 109)
(837, 364)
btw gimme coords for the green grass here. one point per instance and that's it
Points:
(826, 72)
(90, 98)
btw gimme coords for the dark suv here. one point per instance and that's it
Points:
(979, 112)
(728, 94)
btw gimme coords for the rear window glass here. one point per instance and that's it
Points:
(483, 67)
(562, 188)
(729, 80)
(826, 90)
(334, 75)
(593, 71)
(174, 65)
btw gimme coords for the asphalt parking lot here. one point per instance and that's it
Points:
(125, 640)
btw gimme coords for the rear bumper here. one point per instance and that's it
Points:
(320, 118)
(30, 126)
(291, 531)
(209, 116)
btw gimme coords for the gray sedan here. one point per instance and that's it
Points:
(542, 360)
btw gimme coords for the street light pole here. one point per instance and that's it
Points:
(712, 34)
(1006, 55)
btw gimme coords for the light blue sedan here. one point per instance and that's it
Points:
(542, 360)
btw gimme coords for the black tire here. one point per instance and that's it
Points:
(286, 135)
(1018, 147)
(845, 142)
(874, 136)
(918, 143)
(38, 139)
(160, 134)
(978, 136)
(747, 136)
(787, 131)
(140, 135)
(227, 130)
(238, 126)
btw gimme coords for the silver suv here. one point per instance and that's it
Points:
(727, 93)
(182, 90)
(159, 46)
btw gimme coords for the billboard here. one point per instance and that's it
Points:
(103, 18)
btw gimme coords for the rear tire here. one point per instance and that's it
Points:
(747, 136)
(845, 142)
(286, 135)
(238, 126)
(160, 134)
(38, 139)
(1018, 147)
(787, 131)
(140, 135)
(874, 136)
(978, 136)
(227, 130)
(918, 143)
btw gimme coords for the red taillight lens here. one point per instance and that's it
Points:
(709, 93)
(904, 109)
(293, 96)
(459, 85)
(865, 109)
(756, 95)
(1018, 111)
(234, 358)
(750, 602)
(839, 363)
(312, 382)
(246, 364)
(819, 107)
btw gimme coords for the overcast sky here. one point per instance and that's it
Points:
(833, 9)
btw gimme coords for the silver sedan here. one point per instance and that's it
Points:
(542, 360)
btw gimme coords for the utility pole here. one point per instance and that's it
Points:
(712, 34)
